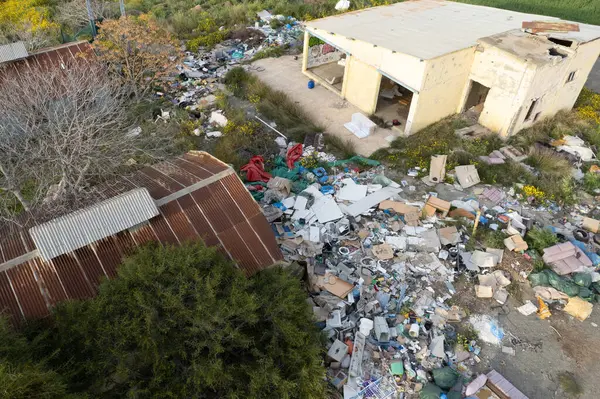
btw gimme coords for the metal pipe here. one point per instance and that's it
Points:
(272, 128)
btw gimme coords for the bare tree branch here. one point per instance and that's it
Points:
(61, 132)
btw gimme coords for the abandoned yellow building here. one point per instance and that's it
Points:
(419, 61)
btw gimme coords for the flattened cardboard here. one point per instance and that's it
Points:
(335, 285)
(437, 168)
(467, 175)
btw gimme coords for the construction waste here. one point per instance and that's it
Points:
(199, 76)
(381, 259)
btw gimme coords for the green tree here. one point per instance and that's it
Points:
(21, 376)
(184, 322)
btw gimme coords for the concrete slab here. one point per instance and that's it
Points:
(593, 82)
(323, 106)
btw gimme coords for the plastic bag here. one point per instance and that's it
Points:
(596, 287)
(582, 279)
(430, 391)
(538, 279)
(587, 294)
(453, 395)
(445, 377)
(566, 286)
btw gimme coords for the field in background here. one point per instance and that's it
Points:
(587, 11)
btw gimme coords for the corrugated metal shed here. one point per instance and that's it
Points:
(427, 29)
(12, 51)
(200, 198)
(86, 226)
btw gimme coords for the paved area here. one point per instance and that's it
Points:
(593, 81)
(323, 106)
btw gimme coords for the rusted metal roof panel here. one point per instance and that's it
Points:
(13, 246)
(90, 265)
(226, 202)
(75, 282)
(162, 180)
(210, 207)
(163, 231)
(222, 213)
(240, 196)
(109, 255)
(8, 301)
(52, 283)
(242, 255)
(206, 161)
(182, 177)
(198, 220)
(28, 292)
(125, 242)
(178, 222)
(143, 234)
(191, 167)
(263, 229)
(260, 253)
(80, 228)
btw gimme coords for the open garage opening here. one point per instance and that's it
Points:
(326, 63)
(393, 103)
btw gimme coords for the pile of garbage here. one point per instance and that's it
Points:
(380, 269)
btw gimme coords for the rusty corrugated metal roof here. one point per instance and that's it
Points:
(198, 197)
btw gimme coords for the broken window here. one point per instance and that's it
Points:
(571, 77)
(530, 111)
(561, 42)
(554, 52)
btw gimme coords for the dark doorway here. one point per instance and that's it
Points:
(477, 97)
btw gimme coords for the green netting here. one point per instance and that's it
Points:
(430, 391)
(445, 377)
(582, 279)
(538, 279)
(561, 284)
(355, 159)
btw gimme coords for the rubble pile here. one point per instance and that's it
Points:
(381, 267)
(381, 270)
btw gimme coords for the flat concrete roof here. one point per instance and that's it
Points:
(430, 28)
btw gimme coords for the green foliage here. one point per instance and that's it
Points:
(342, 149)
(273, 105)
(570, 385)
(182, 321)
(314, 41)
(538, 239)
(591, 182)
(21, 375)
(269, 52)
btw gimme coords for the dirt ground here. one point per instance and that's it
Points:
(545, 349)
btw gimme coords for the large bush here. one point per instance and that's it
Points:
(184, 322)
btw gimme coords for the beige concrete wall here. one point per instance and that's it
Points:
(504, 74)
(443, 87)
(362, 85)
(515, 83)
(550, 88)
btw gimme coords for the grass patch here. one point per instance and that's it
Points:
(538, 239)
(274, 105)
(342, 149)
(549, 162)
(591, 182)
(269, 52)
(576, 10)
(569, 384)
